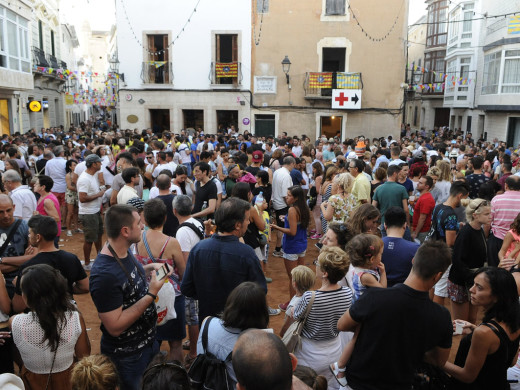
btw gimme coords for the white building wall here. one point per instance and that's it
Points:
(191, 54)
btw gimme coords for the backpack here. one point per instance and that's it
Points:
(192, 226)
(207, 371)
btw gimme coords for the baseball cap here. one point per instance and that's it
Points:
(92, 158)
(258, 156)
(11, 382)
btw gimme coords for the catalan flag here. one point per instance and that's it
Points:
(514, 25)
(348, 80)
(227, 69)
(320, 80)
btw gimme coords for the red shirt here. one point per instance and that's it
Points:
(424, 205)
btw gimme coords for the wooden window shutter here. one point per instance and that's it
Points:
(217, 48)
(151, 47)
(235, 48)
(166, 66)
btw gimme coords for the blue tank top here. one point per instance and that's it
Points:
(297, 243)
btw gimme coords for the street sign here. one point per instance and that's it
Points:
(346, 99)
(35, 106)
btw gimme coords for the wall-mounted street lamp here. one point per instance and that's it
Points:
(286, 66)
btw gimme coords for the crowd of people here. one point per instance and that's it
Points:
(183, 225)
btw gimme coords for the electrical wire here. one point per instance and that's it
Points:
(257, 42)
(382, 38)
(467, 20)
(171, 43)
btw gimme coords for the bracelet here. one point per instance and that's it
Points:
(150, 294)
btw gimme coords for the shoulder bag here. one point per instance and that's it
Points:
(292, 337)
(208, 372)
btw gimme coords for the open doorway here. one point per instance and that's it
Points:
(226, 118)
(193, 118)
(513, 132)
(333, 60)
(330, 126)
(4, 117)
(226, 46)
(159, 120)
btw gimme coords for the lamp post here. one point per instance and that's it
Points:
(114, 68)
(286, 66)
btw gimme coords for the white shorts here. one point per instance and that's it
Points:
(441, 287)
(293, 256)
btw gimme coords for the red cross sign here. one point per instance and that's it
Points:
(341, 99)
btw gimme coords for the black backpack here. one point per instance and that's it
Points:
(207, 371)
(195, 228)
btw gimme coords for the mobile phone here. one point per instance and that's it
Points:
(318, 245)
(162, 272)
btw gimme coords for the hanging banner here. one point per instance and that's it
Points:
(348, 80)
(229, 69)
(320, 80)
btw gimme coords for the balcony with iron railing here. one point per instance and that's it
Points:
(226, 74)
(53, 61)
(39, 58)
(157, 72)
(319, 85)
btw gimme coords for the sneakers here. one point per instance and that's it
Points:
(79, 231)
(268, 280)
(316, 236)
(69, 233)
(277, 253)
(274, 312)
(283, 306)
(87, 267)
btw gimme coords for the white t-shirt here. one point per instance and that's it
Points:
(187, 237)
(201, 145)
(185, 153)
(80, 168)
(154, 191)
(281, 183)
(159, 168)
(90, 185)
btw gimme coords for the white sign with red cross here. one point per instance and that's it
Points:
(346, 99)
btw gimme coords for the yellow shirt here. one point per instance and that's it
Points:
(361, 189)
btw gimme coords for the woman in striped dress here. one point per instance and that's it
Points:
(327, 189)
(321, 345)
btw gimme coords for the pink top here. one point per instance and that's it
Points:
(504, 209)
(41, 209)
(516, 238)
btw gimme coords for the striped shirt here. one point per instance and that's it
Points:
(327, 308)
(504, 209)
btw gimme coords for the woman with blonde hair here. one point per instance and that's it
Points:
(95, 372)
(365, 219)
(469, 254)
(327, 190)
(339, 206)
(444, 180)
(435, 173)
(320, 345)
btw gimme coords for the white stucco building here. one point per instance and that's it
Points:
(185, 66)
(15, 63)
(498, 87)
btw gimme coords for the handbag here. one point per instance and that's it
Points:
(429, 377)
(292, 337)
(165, 302)
(207, 371)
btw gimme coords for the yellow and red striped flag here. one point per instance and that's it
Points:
(320, 80)
(227, 69)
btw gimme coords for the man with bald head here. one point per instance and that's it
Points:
(261, 361)
(14, 242)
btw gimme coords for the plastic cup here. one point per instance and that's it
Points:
(459, 326)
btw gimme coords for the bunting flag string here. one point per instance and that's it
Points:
(443, 76)
(75, 74)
